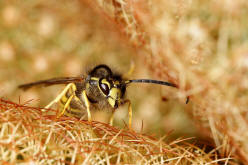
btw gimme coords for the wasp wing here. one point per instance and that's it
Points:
(53, 81)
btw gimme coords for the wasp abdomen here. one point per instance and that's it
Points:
(75, 107)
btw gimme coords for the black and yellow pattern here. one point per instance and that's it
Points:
(99, 89)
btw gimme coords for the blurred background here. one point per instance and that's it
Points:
(202, 46)
(46, 39)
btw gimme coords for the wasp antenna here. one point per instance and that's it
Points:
(155, 82)
(152, 82)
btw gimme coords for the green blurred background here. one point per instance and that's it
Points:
(46, 39)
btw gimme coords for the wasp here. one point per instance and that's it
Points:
(99, 89)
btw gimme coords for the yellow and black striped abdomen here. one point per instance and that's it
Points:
(72, 104)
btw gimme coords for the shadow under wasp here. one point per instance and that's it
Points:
(99, 89)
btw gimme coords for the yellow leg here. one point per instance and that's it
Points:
(59, 96)
(130, 114)
(87, 104)
(66, 105)
(112, 118)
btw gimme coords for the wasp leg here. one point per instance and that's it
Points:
(67, 104)
(56, 100)
(112, 118)
(76, 108)
(87, 104)
(130, 113)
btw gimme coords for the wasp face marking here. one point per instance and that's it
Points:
(114, 97)
(112, 90)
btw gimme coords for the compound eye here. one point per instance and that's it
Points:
(104, 88)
